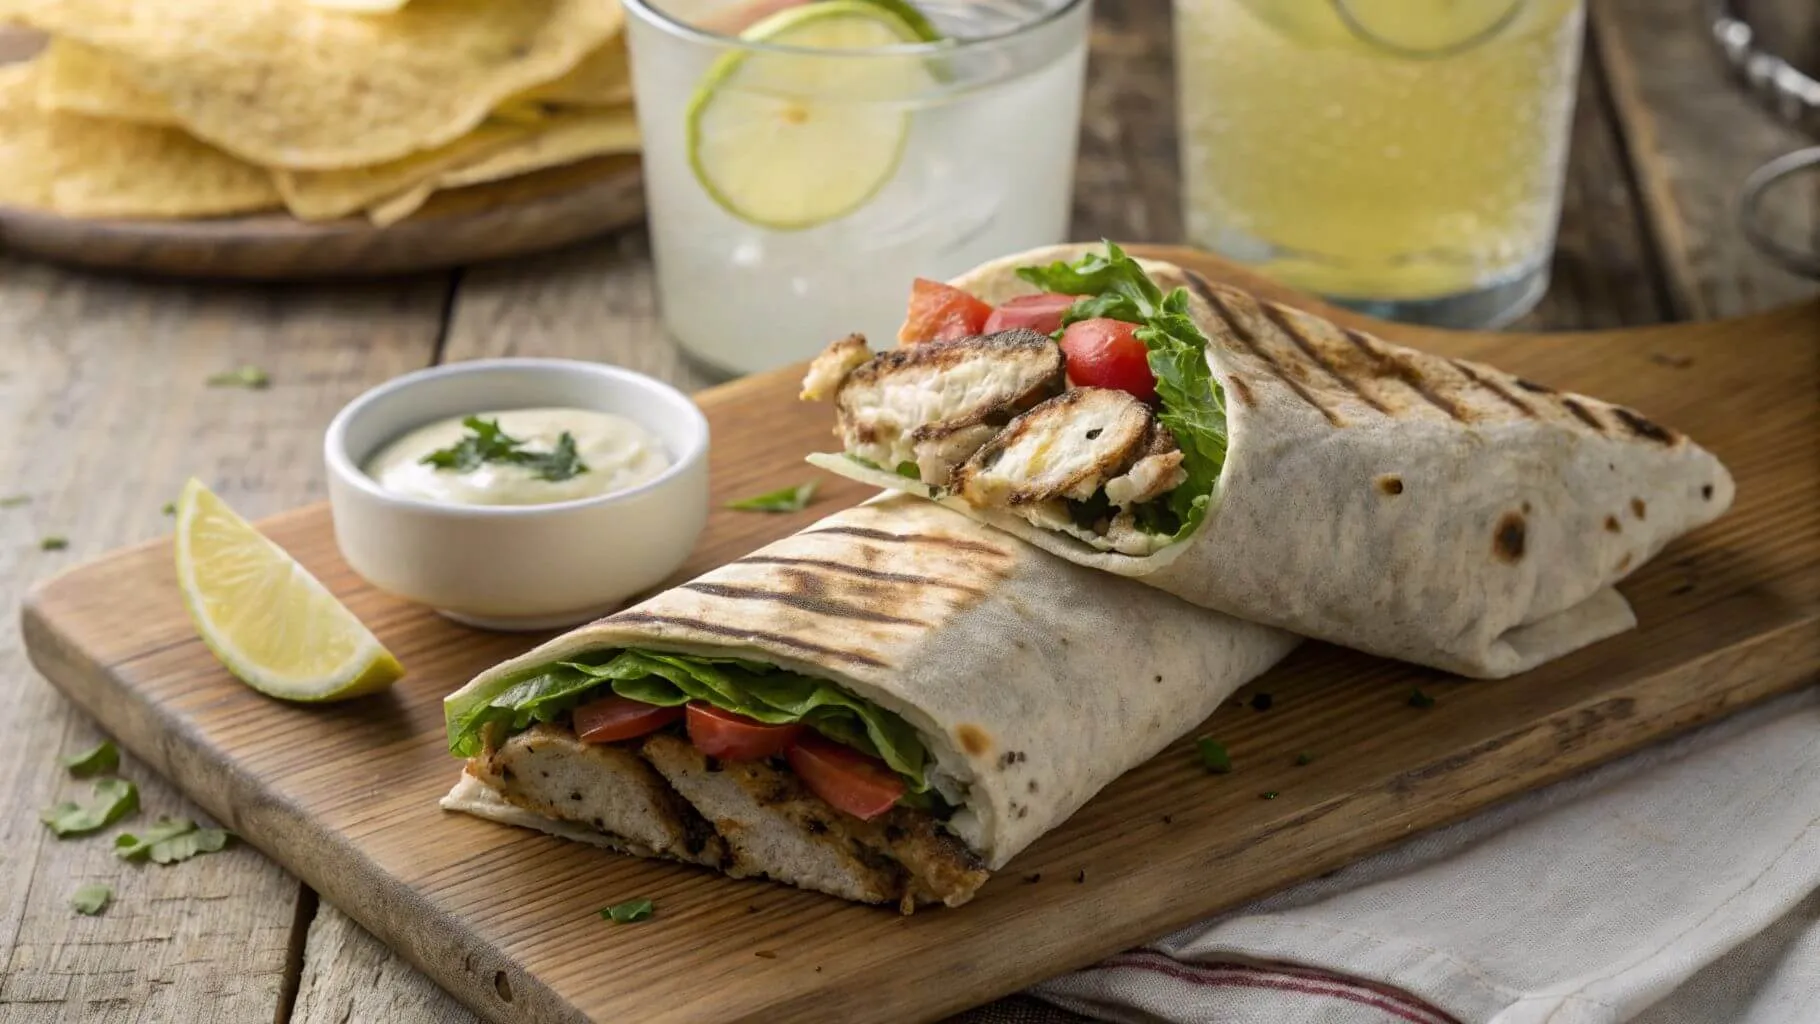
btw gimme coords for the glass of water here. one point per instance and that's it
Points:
(805, 161)
(1403, 157)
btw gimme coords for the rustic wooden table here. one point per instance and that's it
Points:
(103, 413)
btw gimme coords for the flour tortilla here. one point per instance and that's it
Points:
(1423, 508)
(1032, 682)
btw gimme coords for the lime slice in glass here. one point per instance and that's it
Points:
(1428, 28)
(789, 140)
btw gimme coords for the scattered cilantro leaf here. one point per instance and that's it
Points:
(113, 799)
(91, 898)
(169, 509)
(54, 543)
(1214, 757)
(169, 841)
(1418, 699)
(250, 377)
(1304, 759)
(485, 442)
(1270, 795)
(105, 757)
(629, 912)
(15, 500)
(789, 499)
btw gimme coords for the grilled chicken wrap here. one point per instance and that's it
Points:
(1267, 463)
(886, 707)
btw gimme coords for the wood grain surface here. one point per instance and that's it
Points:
(346, 796)
(114, 451)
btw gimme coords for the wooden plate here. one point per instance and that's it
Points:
(532, 213)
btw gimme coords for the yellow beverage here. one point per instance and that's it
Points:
(1389, 152)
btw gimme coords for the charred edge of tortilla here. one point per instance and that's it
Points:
(1109, 465)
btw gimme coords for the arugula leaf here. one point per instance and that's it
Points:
(113, 799)
(250, 377)
(1213, 754)
(169, 841)
(91, 898)
(485, 442)
(789, 499)
(1193, 405)
(629, 912)
(756, 690)
(105, 757)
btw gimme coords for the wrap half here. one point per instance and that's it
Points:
(1287, 471)
(995, 686)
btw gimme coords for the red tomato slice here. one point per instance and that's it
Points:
(847, 779)
(732, 737)
(1041, 313)
(939, 312)
(610, 719)
(1105, 353)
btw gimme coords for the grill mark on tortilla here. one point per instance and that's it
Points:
(1583, 414)
(1240, 390)
(647, 619)
(802, 601)
(1491, 384)
(1283, 323)
(908, 538)
(1245, 338)
(1642, 427)
(1532, 386)
(1406, 372)
(861, 571)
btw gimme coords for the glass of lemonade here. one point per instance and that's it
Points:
(805, 161)
(1402, 157)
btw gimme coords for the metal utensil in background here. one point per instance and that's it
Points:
(1794, 96)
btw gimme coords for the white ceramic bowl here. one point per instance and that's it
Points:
(518, 566)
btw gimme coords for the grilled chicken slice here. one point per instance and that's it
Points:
(828, 370)
(1155, 474)
(934, 404)
(1067, 447)
(611, 789)
(774, 826)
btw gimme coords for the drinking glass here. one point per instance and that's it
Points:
(1402, 157)
(799, 178)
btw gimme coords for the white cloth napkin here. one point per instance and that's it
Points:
(1680, 885)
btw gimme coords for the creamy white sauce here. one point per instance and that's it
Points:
(619, 454)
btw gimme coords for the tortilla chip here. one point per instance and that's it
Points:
(88, 167)
(602, 79)
(569, 137)
(326, 195)
(285, 84)
(78, 79)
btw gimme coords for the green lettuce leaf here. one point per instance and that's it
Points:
(1193, 406)
(759, 691)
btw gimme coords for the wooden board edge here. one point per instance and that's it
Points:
(485, 978)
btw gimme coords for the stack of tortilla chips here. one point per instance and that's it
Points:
(325, 108)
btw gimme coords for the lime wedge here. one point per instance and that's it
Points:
(269, 621)
(792, 140)
(1428, 28)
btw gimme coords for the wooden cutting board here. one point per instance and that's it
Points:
(346, 796)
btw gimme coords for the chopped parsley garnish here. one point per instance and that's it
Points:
(485, 442)
(103, 758)
(1270, 795)
(91, 898)
(113, 799)
(629, 912)
(15, 500)
(250, 377)
(1418, 699)
(169, 509)
(1214, 757)
(1304, 759)
(169, 841)
(789, 499)
(54, 543)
